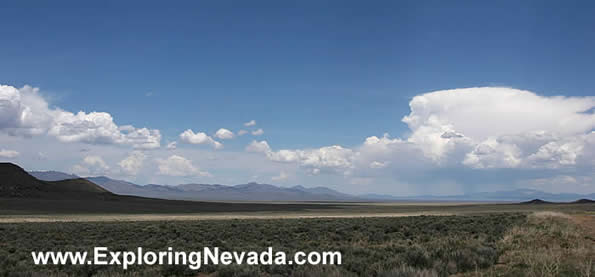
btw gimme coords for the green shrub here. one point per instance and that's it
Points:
(422, 246)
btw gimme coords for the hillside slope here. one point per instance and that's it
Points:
(15, 182)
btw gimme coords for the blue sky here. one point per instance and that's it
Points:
(312, 74)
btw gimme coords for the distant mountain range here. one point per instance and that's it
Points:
(22, 193)
(243, 192)
(266, 192)
(52, 175)
(497, 196)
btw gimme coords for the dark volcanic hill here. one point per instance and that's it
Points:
(584, 201)
(536, 202)
(16, 182)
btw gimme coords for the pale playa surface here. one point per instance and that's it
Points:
(170, 217)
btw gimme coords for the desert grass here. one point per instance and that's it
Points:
(549, 244)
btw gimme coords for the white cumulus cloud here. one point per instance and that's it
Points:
(172, 145)
(377, 164)
(258, 132)
(24, 112)
(8, 153)
(224, 134)
(133, 163)
(242, 132)
(332, 157)
(91, 165)
(176, 165)
(562, 152)
(250, 123)
(189, 136)
(259, 147)
(492, 153)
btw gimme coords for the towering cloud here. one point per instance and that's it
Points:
(491, 118)
(477, 128)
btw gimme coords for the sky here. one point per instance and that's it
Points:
(398, 97)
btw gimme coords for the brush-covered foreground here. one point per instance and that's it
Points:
(370, 246)
(510, 244)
